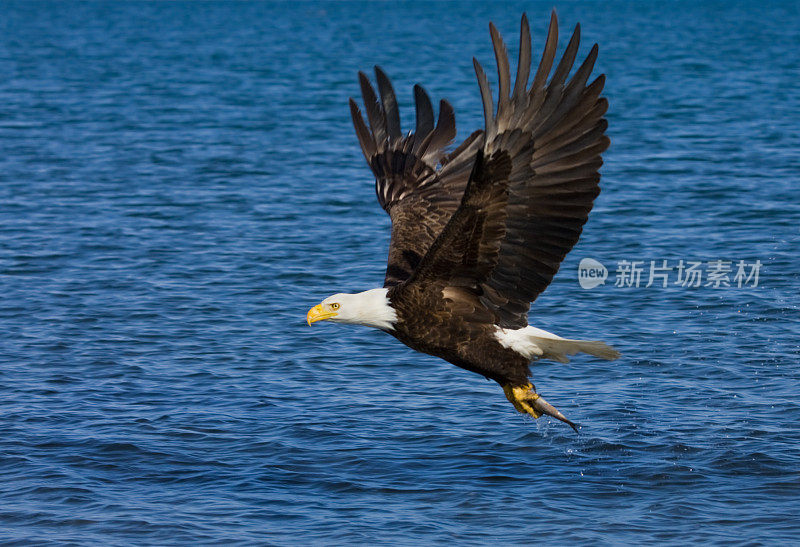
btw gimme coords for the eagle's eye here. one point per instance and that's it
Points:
(334, 306)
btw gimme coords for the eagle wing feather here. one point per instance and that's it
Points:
(416, 181)
(554, 132)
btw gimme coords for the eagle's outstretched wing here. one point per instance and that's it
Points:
(552, 133)
(416, 181)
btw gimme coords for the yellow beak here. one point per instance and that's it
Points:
(317, 313)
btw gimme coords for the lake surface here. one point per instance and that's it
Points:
(180, 182)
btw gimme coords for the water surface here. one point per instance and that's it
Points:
(180, 182)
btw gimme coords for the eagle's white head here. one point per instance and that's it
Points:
(369, 308)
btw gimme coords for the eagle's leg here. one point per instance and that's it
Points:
(527, 401)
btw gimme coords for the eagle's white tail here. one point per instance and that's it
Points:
(536, 343)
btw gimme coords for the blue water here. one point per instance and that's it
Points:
(180, 182)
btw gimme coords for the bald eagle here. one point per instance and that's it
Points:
(479, 232)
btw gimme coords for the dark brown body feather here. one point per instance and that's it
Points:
(455, 331)
(479, 233)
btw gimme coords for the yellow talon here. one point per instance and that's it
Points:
(527, 401)
(520, 396)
